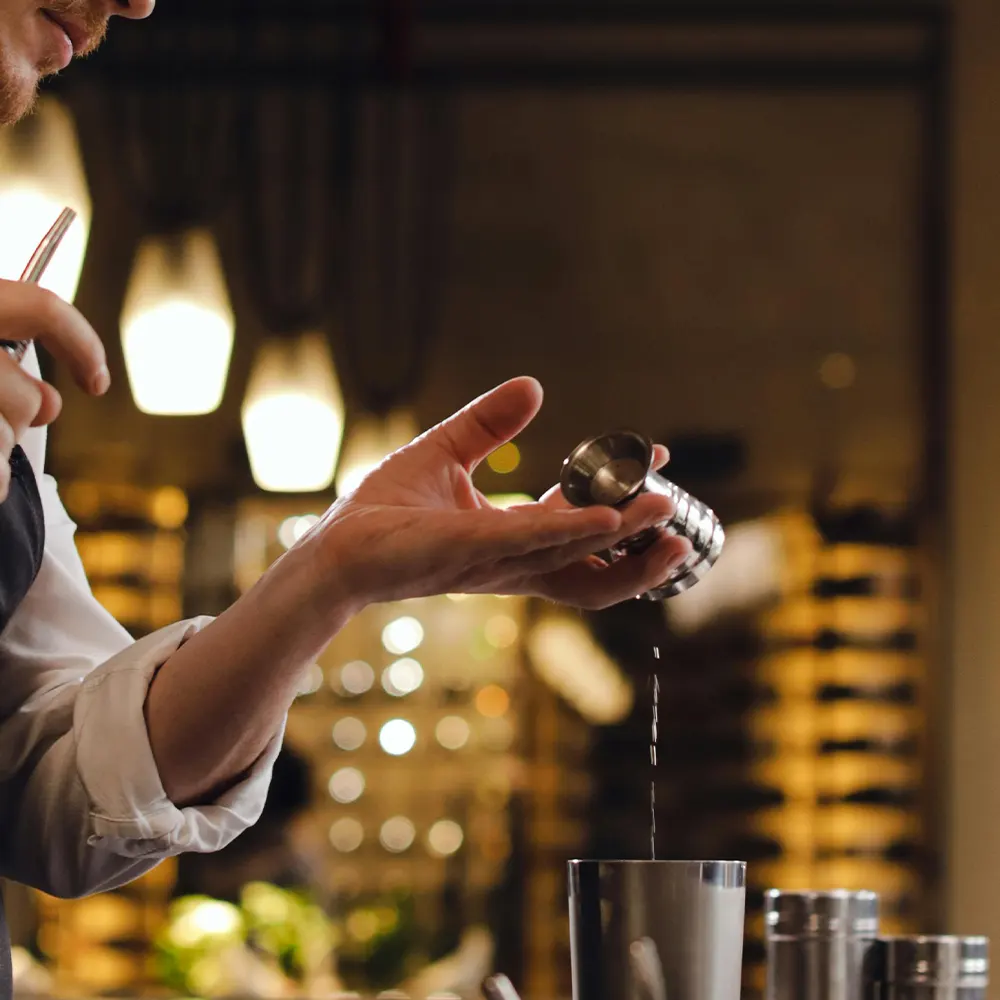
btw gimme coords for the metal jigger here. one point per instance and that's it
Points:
(612, 470)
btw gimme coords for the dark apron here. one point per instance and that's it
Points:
(22, 539)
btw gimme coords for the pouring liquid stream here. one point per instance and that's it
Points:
(652, 758)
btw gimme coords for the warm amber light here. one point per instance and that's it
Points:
(177, 325)
(349, 734)
(41, 173)
(445, 837)
(397, 834)
(346, 785)
(346, 835)
(501, 631)
(573, 665)
(293, 416)
(397, 737)
(505, 459)
(169, 507)
(452, 732)
(492, 701)
(402, 635)
(369, 442)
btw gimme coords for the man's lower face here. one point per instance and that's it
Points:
(33, 46)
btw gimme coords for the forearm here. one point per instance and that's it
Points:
(217, 702)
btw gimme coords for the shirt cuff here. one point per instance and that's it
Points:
(131, 815)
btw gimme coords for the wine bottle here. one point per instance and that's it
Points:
(898, 852)
(901, 747)
(867, 525)
(899, 798)
(829, 588)
(896, 694)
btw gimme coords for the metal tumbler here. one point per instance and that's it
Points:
(818, 943)
(929, 968)
(612, 470)
(656, 930)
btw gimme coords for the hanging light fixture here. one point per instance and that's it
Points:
(177, 325)
(369, 442)
(41, 172)
(293, 416)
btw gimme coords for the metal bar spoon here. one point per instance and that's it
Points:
(499, 987)
(36, 267)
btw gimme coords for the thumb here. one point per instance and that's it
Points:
(488, 422)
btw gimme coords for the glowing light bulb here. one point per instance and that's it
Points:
(293, 416)
(177, 325)
(356, 677)
(505, 459)
(402, 635)
(293, 528)
(349, 734)
(501, 631)
(452, 732)
(346, 785)
(397, 737)
(492, 701)
(41, 172)
(402, 677)
(347, 835)
(397, 834)
(445, 837)
(312, 680)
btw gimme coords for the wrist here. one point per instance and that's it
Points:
(312, 592)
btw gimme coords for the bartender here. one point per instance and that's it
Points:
(115, 754)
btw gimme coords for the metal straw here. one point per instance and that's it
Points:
(36, 267)
(499, 987)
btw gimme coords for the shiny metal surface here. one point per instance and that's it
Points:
(499, 987)
(930, 967)
(35, 269)
(819, 944)
(656, 930)
(615, 468)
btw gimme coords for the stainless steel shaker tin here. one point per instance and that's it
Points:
(819, 943)
(656, 930)
(612, 470)
(930, 967)
(820, 914)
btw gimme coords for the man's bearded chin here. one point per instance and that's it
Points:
(18, 95)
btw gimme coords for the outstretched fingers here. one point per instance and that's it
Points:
(496, 536)
(646, 512)
(588, 585)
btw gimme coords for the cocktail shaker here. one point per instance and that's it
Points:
(656, 930)
(819, 944)
(929, 968)
(612, 470)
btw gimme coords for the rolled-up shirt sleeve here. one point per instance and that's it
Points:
(82, 802)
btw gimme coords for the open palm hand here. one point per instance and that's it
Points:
(418, 526)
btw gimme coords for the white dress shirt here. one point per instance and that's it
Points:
(82, 807)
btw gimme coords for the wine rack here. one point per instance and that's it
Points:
(132, 545)
(841, 655)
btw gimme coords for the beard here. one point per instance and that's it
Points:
(19, 83)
